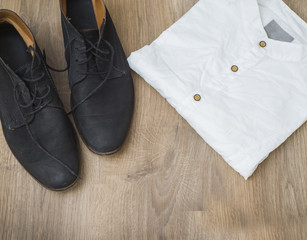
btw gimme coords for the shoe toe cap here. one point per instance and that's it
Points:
(53, 175)
(102, 135)
(61, 180)
(104, 119)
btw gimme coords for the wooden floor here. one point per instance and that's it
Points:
(166, 183)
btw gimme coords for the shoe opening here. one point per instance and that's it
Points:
(83, 5)
(7, 16)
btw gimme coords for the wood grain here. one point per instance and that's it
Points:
(166, 182)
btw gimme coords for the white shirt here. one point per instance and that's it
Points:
(236, 70)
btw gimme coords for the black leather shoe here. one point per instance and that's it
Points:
(102, 93)
(34, 122)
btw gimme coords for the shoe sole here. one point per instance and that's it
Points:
(101, 153)
(60, 189)
(91, 149)
(52, 189)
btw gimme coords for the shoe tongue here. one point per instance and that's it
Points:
(26, 71)
(21, 71)
(27, 62)
(90, 34)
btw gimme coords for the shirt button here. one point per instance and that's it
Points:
(262, 44)
(234, 68)
(197, 97)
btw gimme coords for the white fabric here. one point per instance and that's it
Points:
(243, 115)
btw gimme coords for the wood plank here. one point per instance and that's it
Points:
(166, 183)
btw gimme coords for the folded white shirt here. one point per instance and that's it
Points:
(236, 70)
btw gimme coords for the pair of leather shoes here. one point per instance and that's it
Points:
(34, 122)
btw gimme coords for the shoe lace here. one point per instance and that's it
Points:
(94, 53)
(37, 101)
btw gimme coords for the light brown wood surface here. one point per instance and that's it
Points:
(166, 182)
